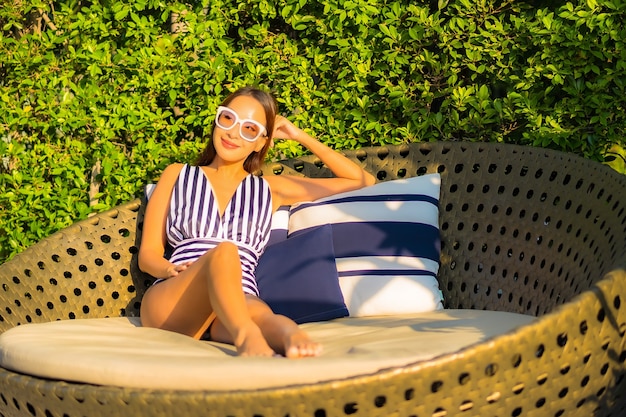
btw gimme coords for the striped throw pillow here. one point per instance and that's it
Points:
(387, 245)
(280, 225)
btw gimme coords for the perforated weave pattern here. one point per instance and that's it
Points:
(86, 270)
(523, 230)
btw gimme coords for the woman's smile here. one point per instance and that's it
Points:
(229, 144)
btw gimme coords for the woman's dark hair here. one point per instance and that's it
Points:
(255, 159)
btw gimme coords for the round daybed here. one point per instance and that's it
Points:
(523, 230)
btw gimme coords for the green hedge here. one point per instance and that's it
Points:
(97, 97)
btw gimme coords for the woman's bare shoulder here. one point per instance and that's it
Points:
(174, 168)
(169, 176)
(171, 171)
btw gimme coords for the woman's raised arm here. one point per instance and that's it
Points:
(290, 189)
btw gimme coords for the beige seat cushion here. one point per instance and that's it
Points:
(119, 352)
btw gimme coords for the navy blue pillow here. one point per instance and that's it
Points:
(297, 277)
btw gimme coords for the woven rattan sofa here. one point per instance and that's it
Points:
(523, 230)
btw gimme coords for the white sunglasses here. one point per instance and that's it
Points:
(249, 130)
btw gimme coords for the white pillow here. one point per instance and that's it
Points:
(387, 244)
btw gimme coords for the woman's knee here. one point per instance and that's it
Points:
(222, 259)
(225, 251)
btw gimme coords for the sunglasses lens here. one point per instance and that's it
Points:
(226, 119)
(250, 131)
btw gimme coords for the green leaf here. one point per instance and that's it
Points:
(122, 13)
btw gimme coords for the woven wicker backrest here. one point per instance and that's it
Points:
(523, 230)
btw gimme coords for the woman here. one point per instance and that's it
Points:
(217, 216)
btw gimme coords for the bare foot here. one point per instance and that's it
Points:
(299, 345)
(250, 342)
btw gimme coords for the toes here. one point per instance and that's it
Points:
(303, 350)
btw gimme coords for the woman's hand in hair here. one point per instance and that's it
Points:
(285, 129)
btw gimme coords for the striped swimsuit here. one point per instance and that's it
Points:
(194, 224)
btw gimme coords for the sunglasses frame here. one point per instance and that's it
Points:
(241, 122)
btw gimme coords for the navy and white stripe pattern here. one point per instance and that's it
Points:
(194, 224)
(280, 225)
(386, 241)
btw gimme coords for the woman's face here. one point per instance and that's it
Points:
(229, 144)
